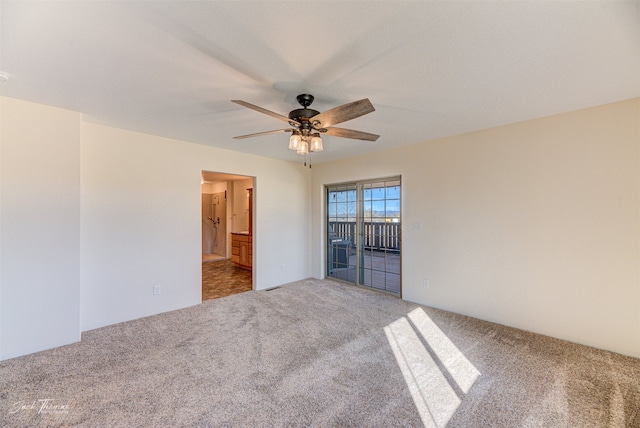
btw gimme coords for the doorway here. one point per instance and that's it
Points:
(226, 212)
(364, 234)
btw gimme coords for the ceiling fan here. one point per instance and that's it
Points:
(307, 124)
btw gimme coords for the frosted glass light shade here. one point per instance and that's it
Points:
(294, 141)
(303, 148)
(316, 143)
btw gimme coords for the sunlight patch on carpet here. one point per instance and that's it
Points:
(460, 369)
(435, 396)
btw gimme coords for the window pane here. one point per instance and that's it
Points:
(377, 193)
(342, 211)
(367, 278)
(378, 209)
(367, 211)
(332, 210)
(351, 208)
(393, 192)
(393, 263)
(392, 282)
(393, 208)
(377, 262)
(367, 192)
(377, 280)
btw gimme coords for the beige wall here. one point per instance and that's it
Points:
(39, 227)
(533, 225)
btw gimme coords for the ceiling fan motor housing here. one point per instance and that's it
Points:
(303, 114)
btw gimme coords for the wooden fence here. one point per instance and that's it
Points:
(377, 235)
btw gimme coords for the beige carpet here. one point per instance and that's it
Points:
(318, 353)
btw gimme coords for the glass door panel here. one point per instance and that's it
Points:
(341, 232)
(380, 267)
(364, 234)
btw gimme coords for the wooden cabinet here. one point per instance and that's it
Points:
(242, 250)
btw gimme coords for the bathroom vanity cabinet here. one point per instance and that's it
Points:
(241, 250)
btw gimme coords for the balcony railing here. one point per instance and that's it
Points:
(377, 235)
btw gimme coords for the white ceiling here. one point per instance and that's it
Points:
(430, 68)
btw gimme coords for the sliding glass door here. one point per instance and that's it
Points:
(364, 234)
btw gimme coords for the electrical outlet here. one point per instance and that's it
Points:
(282, 268)
(156, 290)
(425, 283)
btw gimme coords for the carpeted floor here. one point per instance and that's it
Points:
(223, 278)
(318, 353)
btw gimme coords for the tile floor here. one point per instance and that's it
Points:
(223, 278)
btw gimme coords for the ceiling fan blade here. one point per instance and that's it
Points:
(342, 113)
(265, 111)
(259, 134)
(349, 133)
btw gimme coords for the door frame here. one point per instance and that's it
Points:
(359, 234)
(230, 178)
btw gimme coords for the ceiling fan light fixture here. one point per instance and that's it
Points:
(295, 140)
(316, 143)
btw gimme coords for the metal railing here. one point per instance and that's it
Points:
(377, 235)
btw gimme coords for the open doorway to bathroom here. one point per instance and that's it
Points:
(227, 234)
